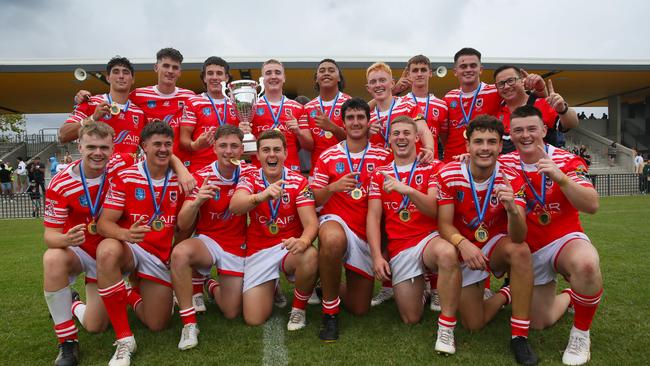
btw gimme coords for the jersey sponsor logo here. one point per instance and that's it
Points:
(151, 104)
(453, 104)
(313, 113)
(121, 116)
(83, 201)
(139, 194)
(260, 111)
(206, 111)
(340, 167)
(166, 103)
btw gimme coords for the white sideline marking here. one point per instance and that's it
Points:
(275, 352)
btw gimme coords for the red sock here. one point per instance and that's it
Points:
(585, 308)
(487, 283)
(133, 298)
(446, 321)
(300, 299)
(387, 284)
(197, 284)
(114, 298)
(212, 285)
(505, 291)
(188, 316)
(66, 331)
(433, 280)
(519, 327)
(331, 307)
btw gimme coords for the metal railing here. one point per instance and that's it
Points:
(20, 205)
(619, 184)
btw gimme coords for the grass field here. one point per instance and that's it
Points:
(619, 333)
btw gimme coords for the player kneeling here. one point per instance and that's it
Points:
(404, 193)
(482, 212)
(283, 225)
(219, 238)
(138, 221)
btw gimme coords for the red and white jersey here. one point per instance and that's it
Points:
(564, 217)
(332, 165)
(67, 206)
(215, 220)
(455, 190)
(435, 115)
(404, 106)
(201, 115)
(263, 120)
(487, 101)
(127, 125)
(165, 107)
(549, 115)
(403, 235)
(323, 139)
(296, 194)
(129, 193)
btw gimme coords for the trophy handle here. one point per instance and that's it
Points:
(261, 84)
(224, 89)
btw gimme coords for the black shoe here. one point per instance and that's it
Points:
(329, 331)
(68, 354)
(524, 353)
(75, 295)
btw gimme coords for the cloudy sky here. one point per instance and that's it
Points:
(352, 29)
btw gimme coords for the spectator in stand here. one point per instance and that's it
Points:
(5, 180)
(53, 164)
(582, 115)
(591, 116)
(21, 176)
(67, 160)
(604, 116)
(38, 172)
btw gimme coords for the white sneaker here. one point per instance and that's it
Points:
(198, 303)
(385, 294)
(435, 301)
(577, 351)
(125, 348)
(487, 293)
(445, 343)
(313, 299)
(189, 337)
(279, 299)
(297, 319)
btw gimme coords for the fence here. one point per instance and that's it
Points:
(619, 184)
(20, 206)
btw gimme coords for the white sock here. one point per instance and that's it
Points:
(59, 303)
(79, 312)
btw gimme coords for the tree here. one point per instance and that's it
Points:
(14, 123)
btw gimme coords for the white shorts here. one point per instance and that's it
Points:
(408, 263)
(88, 265)
(545, 259)
(357, 256)
(227, 263)
(472, 276)
(150, 267)
(264, 266)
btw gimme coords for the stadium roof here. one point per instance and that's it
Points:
(48, 86)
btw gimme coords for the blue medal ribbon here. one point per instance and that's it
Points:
(387, 126)
(322, 107)
(93, 206)
(276, 118)
(426, 109)
(363, 158)
(273, 207)
(156, 206)
(110, 102)
(405, 198)
(221, 120)
(467, 117)
(480, 211)
(541, 198)
(235, 176)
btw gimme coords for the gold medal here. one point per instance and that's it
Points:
(356, 194)
(405, 215)
(481, 234)
(277, 129)
(544, 218)
(328, 135)
(235, 161)
(157, 225)
(92, 227)
(273, 228)
(115, 109)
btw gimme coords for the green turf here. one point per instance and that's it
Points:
(619, 332)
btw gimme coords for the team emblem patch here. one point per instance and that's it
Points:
(340, 167)
(232, 112)
(337, 112)
(206, 111)
(288, 113)
(493, 201)
(136, 120)
(459, 196)
(581, 172)
(479, 102)
(370, 167)
(83, 201)
(453, 104)
(436, 112)
(285, 198)
(151, 104)
(139, 194)
(419, 179)
(313, 113)
(307, 193)
(260, 111)
(173, 196)
(181, 104)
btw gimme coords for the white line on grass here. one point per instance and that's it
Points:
(275, 352)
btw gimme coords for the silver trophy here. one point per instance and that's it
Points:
(243, 94)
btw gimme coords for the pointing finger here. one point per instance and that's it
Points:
(549, 85)
(544, 154)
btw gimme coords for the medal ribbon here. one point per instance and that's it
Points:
(93, 206)
(110, 101)
(426, 109)
(405, 198)
(363, 158)
(273, 207)
(322, 107)
(235, 176)
(156, 206)
(541, 198)
(276, 118)
(481, 211)
(387, 126)
(221, 120)
(467, 117)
